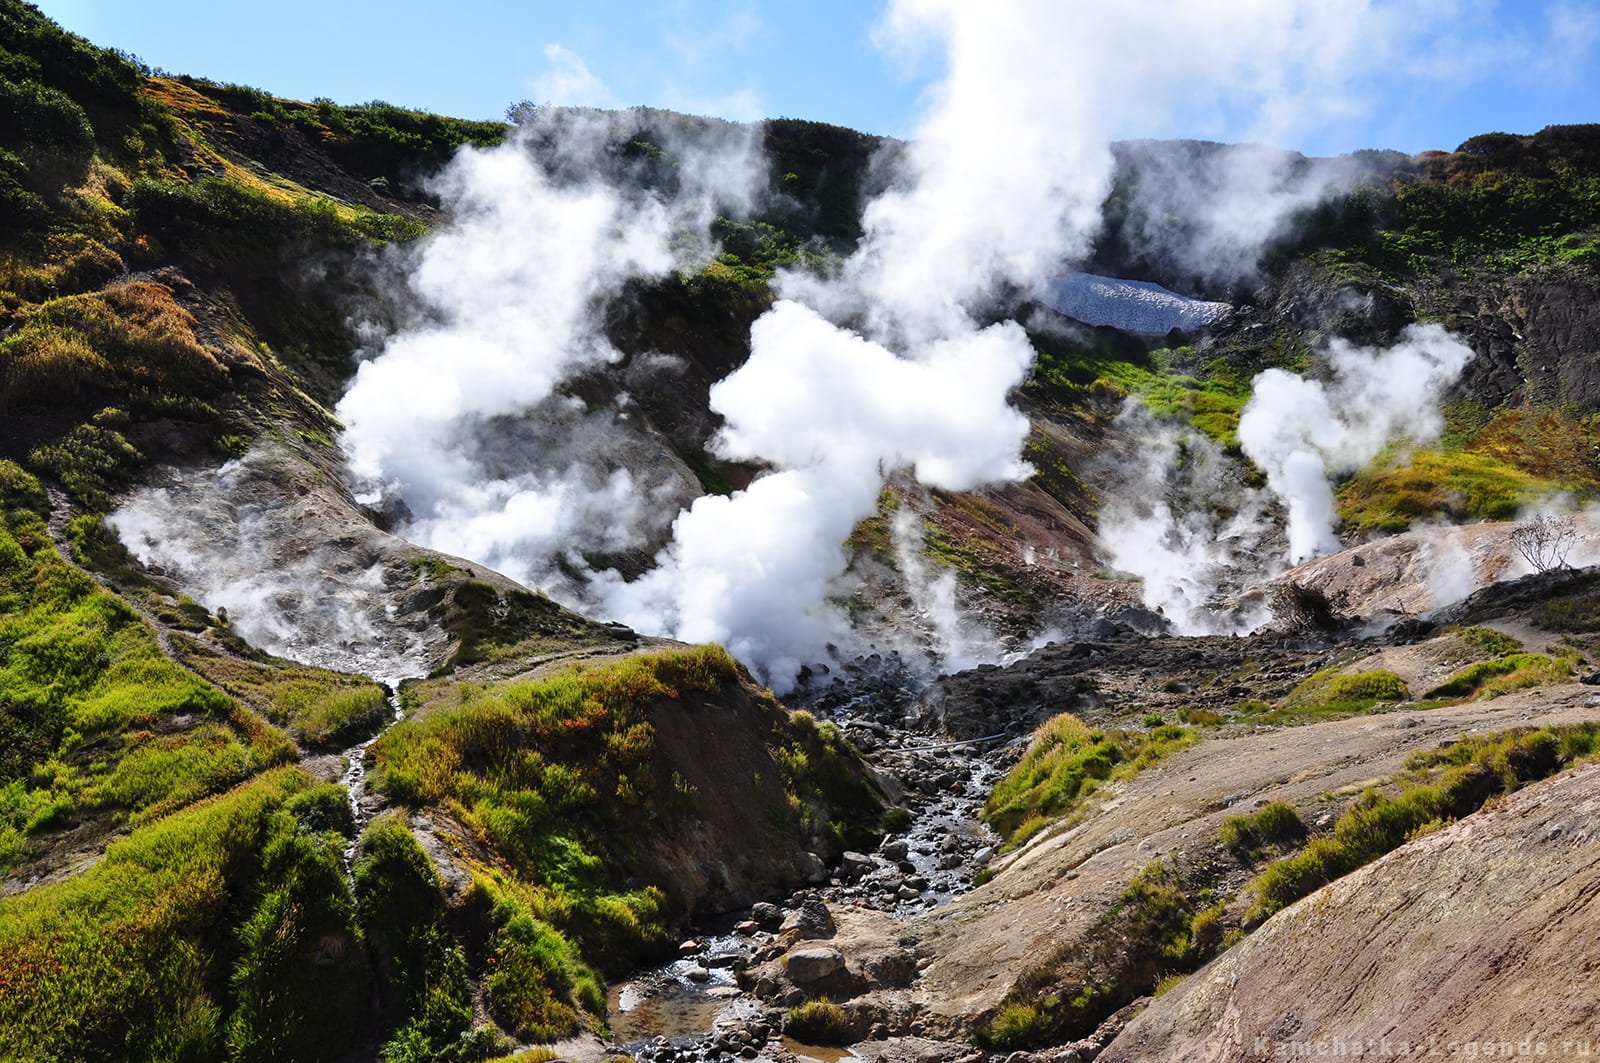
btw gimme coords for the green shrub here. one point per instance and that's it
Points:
(538, 985)
(1275, 821)
(820, 1022)
(1064, 763)
(1442, 785)
(1015, 1026)
(300, 973)
(421, 970)
(121, 959)
(1490, 641)
(1489, 679)
(1577, 613)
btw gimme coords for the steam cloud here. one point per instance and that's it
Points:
(457, 415)
(241, 539)
(889, 363)
(1202, 213)
(1301, 432)
(1184, 522)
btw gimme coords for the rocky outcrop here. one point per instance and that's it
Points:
(1043, 916)
(1479, 933)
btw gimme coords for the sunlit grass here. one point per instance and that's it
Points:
(1066, 762)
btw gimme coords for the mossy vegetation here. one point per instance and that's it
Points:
(820, 1022)
(1332, 693)
(93, 717)
(172, 945)
(487, 623)
(1274, 822)
(1405, 489)
(1066, 761)
(320, 708)
(1513, 671)
(828, 792)
(554, 775)
(1173, 383)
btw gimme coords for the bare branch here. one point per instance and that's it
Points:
(1546, 540)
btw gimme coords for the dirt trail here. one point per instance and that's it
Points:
(60, 516)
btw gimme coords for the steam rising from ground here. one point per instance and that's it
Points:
(457, 414)
(891, 362)
(1302, 432)
(244, 541)
(1204, 212)
(1182, 520)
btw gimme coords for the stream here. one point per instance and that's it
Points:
(354, 779)
(693, 1008)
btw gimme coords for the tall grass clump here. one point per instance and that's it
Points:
(1276, 821)
(1515, 671)
(127, 959)
(1066, 761)
(87, 698)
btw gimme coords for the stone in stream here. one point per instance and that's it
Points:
(810, 920)
(805, 966)
(767, 916)
(854, 865)
(895, 848)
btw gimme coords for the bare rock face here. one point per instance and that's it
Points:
(1042, 918)
(1430, 568)
(1481, 932)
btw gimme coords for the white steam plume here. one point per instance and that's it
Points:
(1182, 520)
(834, 412)
(458, 414)
(958, 641)
(1303, 432)
(1206, 211)
(245, 538)
(1001, 183)
(884, 365)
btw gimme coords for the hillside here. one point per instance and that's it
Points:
(349, 710)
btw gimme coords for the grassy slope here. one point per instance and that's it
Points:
(205, 932)
(102, 172)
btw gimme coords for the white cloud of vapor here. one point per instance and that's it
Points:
(883, 365)
(1178, 515)
(244, 539)
(458, 416)
(1302, 432)
(834, 412)
(1206, 211)
(889, 363)
(568, 81)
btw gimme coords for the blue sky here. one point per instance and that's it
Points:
(1509, 65)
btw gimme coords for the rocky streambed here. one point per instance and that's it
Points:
(701, 1006)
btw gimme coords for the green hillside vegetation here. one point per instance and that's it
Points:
(1065, 763)
(179, 259)
(1438, 787)
(93, 717)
